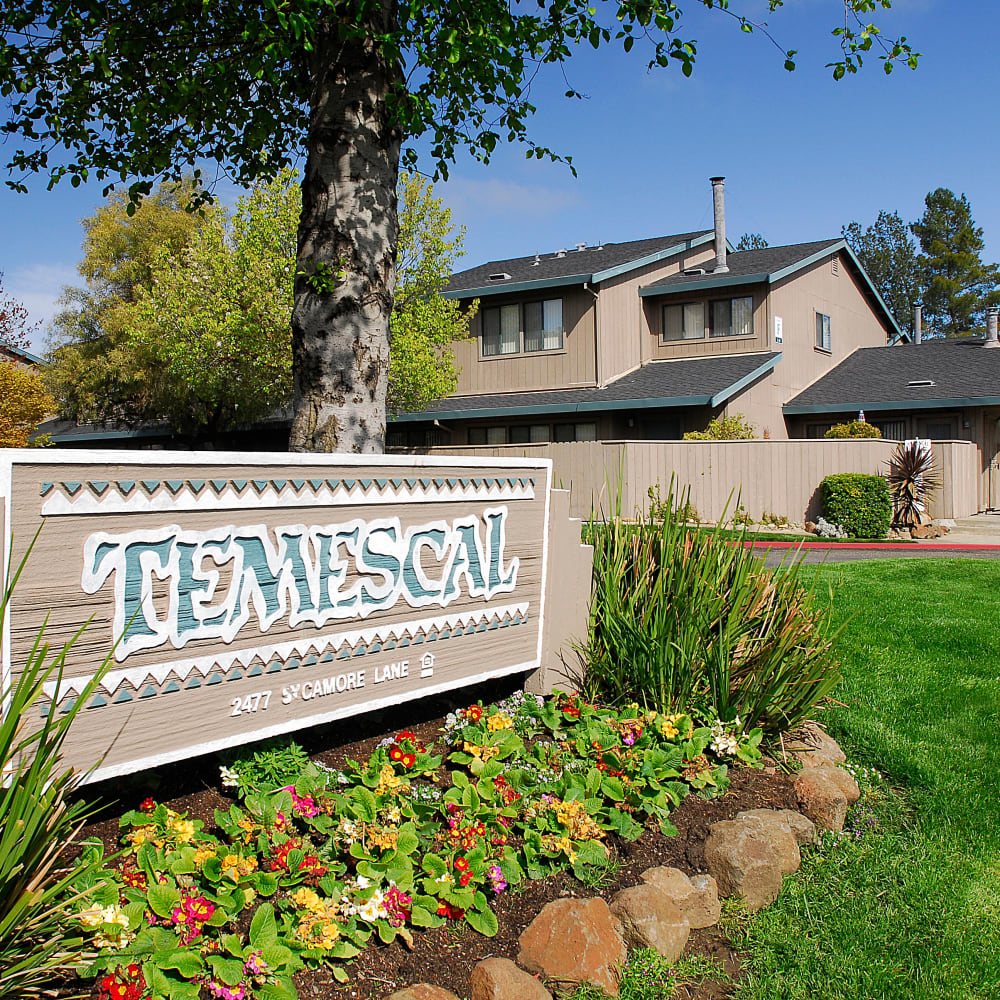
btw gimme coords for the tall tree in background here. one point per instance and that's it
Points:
(24, 404)
(888, 253)
(15, 329)
(185, 319)
(752, 241)
(958, 284)
(346, 83)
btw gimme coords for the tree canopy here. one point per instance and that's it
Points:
(24, 404)
(958, 285)
(184, 319)
(15, 327)
(130, 94)
(888, 253)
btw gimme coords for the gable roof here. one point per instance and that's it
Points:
(707, 381)
(769, 265)
(961, 371)
(16, 352)
(574, 267)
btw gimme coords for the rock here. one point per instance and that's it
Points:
(821, 797)
(747, 858)
(810, 527)
(802, 828)
(575, 941)
(501, 979)
(814, 748)
(650, 919)
(422, 991)
(697, 898)
(923, 531)
(944, 523)
(846, 783)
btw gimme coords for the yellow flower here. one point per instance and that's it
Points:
(203, 854)
(235, 866)
(307, 899)
(499, 721)
(182, 828)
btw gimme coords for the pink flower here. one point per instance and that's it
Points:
(255, 964)
(499, 883)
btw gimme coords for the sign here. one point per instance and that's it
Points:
(255, 594)
(778, 334)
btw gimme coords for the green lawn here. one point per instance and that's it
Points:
(913, 909)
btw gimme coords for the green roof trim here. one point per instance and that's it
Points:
(653, 258)
(893, 404)
(709, 281)
(517, 286)
(720, 397)
(111, 435)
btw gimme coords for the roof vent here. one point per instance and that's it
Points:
(920, 383)
(581, 247)
(600, 245)
(500, 276)
(561, 253)
(694, 270)
(536, 261)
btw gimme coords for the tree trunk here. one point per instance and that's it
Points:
(346, 270)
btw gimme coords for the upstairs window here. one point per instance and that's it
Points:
(684, 322)
(732, 317)
(535, 326)
(823, 331)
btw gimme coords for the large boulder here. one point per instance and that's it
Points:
(575, 941)
(501, 979)
(802, 828)
(747, 857)
(813, 747)
(422, 991)
(650, 920)
(846, 783)
(697, 897)
(821, 797)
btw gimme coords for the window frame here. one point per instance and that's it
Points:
(522, 333)
(824, 333)
(730, 299)
(664, 339)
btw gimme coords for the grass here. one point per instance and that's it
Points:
(912, 910)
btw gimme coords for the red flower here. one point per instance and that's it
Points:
(395, 752)
(474, 712)
(464, 879)
(134, 970)
(461, 865)
(147, 805)
(449, 911)
(409, 759)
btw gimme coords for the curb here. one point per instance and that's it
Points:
(875, 546)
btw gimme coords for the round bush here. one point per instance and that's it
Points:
(853, 429)
(859, 503)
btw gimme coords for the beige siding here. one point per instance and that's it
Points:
(659, 350)
(573, 367)
(623, 322)
(782, 477)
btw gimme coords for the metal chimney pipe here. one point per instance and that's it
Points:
(719, 205)
(918, 322)
(991, 329)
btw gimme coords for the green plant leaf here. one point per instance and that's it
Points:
(163, 899)
(263, 927)
(483, 921)
(229, 970)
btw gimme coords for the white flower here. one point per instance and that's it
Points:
(370, 911)
(361, 882)
(230, 779)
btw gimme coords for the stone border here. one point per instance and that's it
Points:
(574, 940)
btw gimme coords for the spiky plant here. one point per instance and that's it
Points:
(913, 480)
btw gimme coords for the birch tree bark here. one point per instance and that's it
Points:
(346, 273)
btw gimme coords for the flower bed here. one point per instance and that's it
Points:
(417, 836)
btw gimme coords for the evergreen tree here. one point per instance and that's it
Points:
(888, 253)
(752, 241)
(958, 284)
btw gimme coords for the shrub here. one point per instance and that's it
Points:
(39, 824)
(853, 429)
(682, 619)
(686, 512)
(858, 502)
(913, 480)
(733, 427)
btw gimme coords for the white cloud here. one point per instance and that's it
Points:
(37, 287)
(470, 198)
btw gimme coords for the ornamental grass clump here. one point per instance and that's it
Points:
(690, 620)
(913, 480)
(42, 883)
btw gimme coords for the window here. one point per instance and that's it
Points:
(543, 325)
(542, 328)
(684, 322)
(501, 331)
(487, 435)
(894, 430)
(530, 433)
(822, 331)
(732, 317)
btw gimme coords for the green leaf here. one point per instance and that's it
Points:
(483, 921)
(163, 899)
(187, 963)
(420, 917)
(263, 927)
(267, 884)
(229, 970)
(364, 804)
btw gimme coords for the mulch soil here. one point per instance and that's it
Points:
(446, 956)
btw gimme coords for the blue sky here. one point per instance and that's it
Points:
(802, 155)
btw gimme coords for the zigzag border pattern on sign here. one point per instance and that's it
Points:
(167, 678)
(159, 495)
